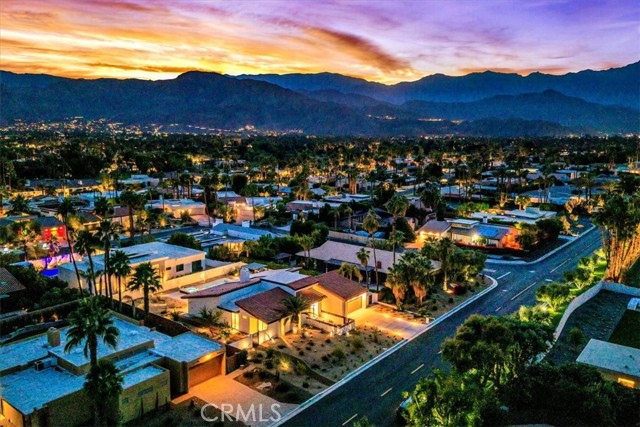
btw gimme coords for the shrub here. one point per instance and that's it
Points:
(338, 353)
(300, 368)
(268, 364)
(450, 300)
(301, 353)
(242, 357)
(305, 384)
(281, 346)
(262, 374)
(270, 353)
(315, 366)
(357, 343)
(325, 358)
(248, 374)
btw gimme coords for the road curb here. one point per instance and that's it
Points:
(304, 405)
(543, 257)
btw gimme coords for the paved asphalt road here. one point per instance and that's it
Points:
(377, 392)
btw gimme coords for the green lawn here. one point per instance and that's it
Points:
(628, 330)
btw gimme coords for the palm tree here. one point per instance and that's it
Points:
(371, 225)
(121, 269)
(363, 257)
(444, 251)
(421, 277)
(103, 385)
(145, 278)
(65, 211)
(397, 282)
(294, 306)
(4, 193)
(108, 231)
(102, 206)
(90, 322)
(86, 243)
(349, 270)
(19, 205)
(26, 232)
(133, 202)
(396, 238)
(349, 211)
(307, 241)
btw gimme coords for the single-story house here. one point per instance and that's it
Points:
(42, 385)
(615, 362)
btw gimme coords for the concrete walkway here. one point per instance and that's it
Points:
(226, 390)
(388, 320)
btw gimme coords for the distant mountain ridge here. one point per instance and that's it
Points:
(616, 86)
(330, 104)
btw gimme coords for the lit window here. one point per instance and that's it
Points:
(626, 383)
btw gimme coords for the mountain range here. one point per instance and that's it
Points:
(485, 104)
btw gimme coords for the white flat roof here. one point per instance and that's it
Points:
(130, 336)
(612, 357)
(187, 347)
(29, 390)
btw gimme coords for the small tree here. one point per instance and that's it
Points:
(294, 306)
(554, 295)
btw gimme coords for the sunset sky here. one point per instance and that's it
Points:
(385, 41)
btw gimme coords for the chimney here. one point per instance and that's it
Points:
(244, 274)
(53, 337)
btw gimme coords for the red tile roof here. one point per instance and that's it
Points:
(303, 283)
(310, 295)
(8, 283)
(266, 306)
(216, 291)
(340, 286)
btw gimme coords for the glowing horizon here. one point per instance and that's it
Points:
(379, 41)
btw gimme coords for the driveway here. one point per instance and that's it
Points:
(225, 390)
(388, 320)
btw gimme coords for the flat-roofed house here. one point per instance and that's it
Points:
(42, 385)
(615, 362)
(170, 261)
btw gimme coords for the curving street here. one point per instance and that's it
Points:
(377, 392)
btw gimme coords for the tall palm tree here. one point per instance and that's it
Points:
(307, 241)
(121, 269)
(397, 281)
(65, 211)
(443, 250)
(88, 324)
(396, 238)
(397, 206)
(133, 202)
(102, 206)
(350, 271)
(4, 193)
(145, 278)
(86, 243)
(103, 385)
(363, 257)
(108, 231)
(294, 306)
(371, 226)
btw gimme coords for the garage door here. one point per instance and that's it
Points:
(354, 304)
(205, 371)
